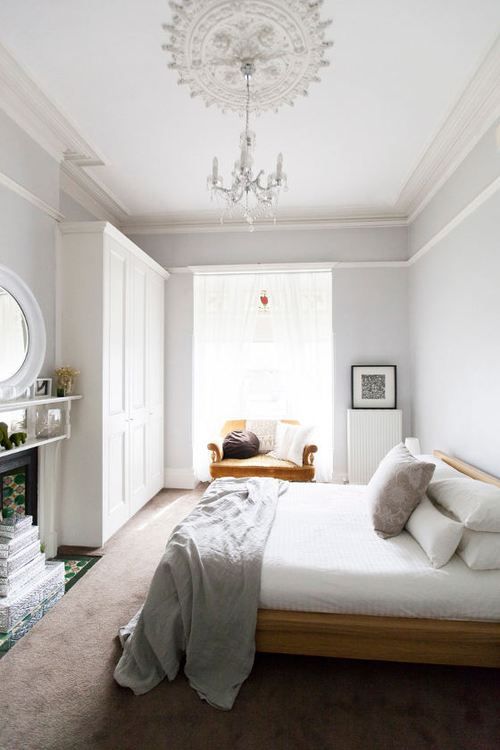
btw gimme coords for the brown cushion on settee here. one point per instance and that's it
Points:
(240, 444)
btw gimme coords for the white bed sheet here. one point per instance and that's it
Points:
(322, 555)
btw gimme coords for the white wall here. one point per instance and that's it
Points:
(455, 317)
(27, 234)
(370, 314)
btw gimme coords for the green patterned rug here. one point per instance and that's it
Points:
(75, 566)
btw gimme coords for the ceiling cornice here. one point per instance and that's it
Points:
(91, 194)
(25, 102)
(206, 223)
(475, 111)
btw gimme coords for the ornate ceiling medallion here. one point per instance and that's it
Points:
(210, 40)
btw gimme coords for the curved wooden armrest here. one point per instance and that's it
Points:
(308, 455)
(216, 451)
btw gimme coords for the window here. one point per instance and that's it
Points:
(264, 354)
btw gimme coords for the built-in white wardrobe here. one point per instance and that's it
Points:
(112, 330)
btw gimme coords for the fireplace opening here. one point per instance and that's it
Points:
(19, 484)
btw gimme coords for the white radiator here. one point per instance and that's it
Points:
(371, 433)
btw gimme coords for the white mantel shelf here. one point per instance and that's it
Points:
(23, 403)
(29, 444)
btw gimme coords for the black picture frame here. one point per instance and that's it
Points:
(357, 400)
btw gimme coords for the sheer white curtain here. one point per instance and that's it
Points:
(225, 314)
(303, 334)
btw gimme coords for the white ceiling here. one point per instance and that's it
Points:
(398, 68)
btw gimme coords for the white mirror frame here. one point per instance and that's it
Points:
(16, 385)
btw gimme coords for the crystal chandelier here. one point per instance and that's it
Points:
(279, 46)
(249, 196)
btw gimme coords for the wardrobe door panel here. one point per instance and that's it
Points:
(117, 477)
(138, 466)
(138, 336)
(138, 385)
(116, 500)
(155, 349)
(116, 335)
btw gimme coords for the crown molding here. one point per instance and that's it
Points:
(473, 114)
(26, 103)
(23, 192)
(204, 222)
(24, 100)
(91, 194)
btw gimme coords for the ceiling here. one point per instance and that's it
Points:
(398, 69)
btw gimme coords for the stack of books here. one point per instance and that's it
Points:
(29, 586)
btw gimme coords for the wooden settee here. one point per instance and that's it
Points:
(261, 465)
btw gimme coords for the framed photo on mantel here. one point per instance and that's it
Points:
(373, 387)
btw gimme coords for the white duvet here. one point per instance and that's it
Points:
(322, 555)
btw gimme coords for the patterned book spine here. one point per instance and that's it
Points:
(18, 579)
(10, 547)
(9, 565)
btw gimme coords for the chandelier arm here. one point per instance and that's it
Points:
(258, 182)
(219, 189)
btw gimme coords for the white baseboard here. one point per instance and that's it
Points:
(180, 479)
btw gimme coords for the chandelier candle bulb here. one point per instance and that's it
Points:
(215, 170)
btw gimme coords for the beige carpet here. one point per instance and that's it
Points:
(57, 691)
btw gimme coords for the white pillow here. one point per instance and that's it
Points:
(442, 470)
(476, 504)
(265, 429)
(480, 550)
(290, 442)
(438, 535)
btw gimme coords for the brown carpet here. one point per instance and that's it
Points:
(57, 691)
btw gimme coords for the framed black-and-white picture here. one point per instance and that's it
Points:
(373, 386)
(43, 387)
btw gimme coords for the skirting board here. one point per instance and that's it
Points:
(180, 479)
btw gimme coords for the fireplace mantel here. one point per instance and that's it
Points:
(47, 436)
(31, 405)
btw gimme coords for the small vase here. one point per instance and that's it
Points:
(65, 387)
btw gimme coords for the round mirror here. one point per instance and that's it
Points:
(22, 336)
(13, 335)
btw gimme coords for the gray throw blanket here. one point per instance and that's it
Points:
(203, 599)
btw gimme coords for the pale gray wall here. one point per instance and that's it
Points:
(370, 322)
(370, 316)
(27, 234)
(24, 161)
(276, 246)
(455, 318)
(73, 211)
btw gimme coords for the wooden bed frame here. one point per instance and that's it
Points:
(402, 639)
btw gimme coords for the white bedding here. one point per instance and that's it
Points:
(322, 555)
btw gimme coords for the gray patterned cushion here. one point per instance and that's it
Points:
(265, 429)
(396, 489)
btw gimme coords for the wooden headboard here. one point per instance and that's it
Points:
(467, 469)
